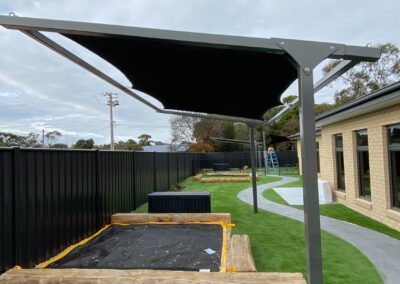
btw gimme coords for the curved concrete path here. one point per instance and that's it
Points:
(383, 251)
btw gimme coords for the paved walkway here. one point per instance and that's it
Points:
(382, 250)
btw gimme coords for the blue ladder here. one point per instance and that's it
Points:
(272, 160)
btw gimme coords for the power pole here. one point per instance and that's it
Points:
(112, 102)
(43, 138)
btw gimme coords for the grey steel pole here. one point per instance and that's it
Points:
(253, 167)
(265, 155)
(310, 178)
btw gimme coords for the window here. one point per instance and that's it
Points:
(339, 162)
(318, 166)
(394, 162)
(363, 164)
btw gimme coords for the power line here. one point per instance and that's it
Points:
(124, 99)
(97, 100)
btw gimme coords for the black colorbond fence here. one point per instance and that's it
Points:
(241, 159)
(7, 181)
(51, 199)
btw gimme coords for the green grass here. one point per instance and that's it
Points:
(278, 242)
(286, 171)
(273, 196)
(337, 211)
(297, 183)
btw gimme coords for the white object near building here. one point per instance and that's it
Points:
(324, 191)
(294, 195)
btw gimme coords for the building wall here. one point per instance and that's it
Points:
(379, 207)
(318, 139)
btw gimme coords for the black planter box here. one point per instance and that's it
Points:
(179, 202)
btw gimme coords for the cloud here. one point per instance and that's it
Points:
(8, 94)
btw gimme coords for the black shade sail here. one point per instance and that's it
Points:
(188, 77)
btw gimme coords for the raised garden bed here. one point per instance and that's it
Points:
(232, 254)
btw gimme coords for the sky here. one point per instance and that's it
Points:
(41, 90)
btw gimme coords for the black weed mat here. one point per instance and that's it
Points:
(152, 246)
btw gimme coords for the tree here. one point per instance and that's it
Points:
(204, 129)
(130, 145)
(287, 100)
(227, 131)
(241, 131)
(182, 129)
(52, 136)
(367, 77)
(144, 140)
(289, 122)
(13, 140)
(59, 146)
(321, 108)
(84, 144)
(201, 147)
(31, 140)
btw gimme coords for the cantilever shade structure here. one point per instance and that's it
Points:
(202, 74)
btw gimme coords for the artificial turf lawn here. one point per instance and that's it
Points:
(278, 243)
(337, 211)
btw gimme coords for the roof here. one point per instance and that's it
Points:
(194, 72)
(385, 97)
(165, 148)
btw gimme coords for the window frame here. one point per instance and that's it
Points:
(339, 151)
(360, 150)
(391, 148)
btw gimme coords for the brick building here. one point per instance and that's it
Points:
(359, 154)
